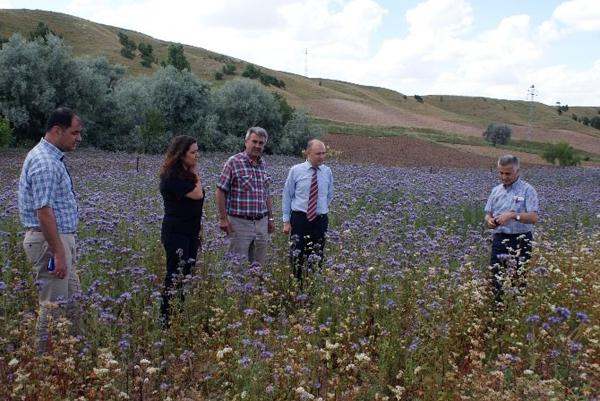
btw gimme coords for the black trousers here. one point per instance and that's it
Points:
(182, 252)
(308, 239)
(509, 253)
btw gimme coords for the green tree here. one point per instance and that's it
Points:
(284, 107)
(147, 54)
(229, 69)
(497, 134)
(6, 133)
(129, 46)
(37, 77)
(252, 72)
(153, 135)
(297, 132)
(177, 99)
(241, 104)
(595, 122)
(563, 153)
(176, 57)
(41, 31)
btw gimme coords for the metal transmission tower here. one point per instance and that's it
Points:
(306, 62)
(531, 93)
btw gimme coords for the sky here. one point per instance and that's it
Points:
(500, 49)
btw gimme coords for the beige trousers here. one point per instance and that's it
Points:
(249, 238)
(56, 296)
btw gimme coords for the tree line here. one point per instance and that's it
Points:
(136, 114)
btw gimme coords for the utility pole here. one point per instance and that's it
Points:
(306, 62)
(531, 93)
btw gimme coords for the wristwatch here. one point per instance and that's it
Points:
(518, 217)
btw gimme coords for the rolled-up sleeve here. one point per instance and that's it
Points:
(43, 180)
(224, 182)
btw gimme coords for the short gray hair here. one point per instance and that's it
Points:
(509, 159)
(258, 131)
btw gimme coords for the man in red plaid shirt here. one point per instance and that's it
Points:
(244, 199)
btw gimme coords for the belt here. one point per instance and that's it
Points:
(506, 235)
(39, 230)
(301, 212)
(252, 218)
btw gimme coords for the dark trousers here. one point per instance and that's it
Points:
(182, 251)
(509, 253)
(308, 239)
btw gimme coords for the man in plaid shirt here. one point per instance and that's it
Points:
(48, 210)
(244, 199)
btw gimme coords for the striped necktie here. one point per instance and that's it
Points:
(311, 212)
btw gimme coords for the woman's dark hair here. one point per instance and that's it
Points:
(173, 164)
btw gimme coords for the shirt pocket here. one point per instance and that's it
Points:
(246, 182)
(519, 203)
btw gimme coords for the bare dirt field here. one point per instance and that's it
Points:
(360, 113)
(495, 153)
(402, 151)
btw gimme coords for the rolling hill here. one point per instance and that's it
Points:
(439, 125)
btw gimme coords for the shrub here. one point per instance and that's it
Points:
(419, 99)
(297, 132)
(243, 103)
(176, 57)
(595, 122)
(6, 133)
(229, 69)
(563, 152)
(147, 53)
(218, 75)
(37, 77)
(497, 134)
(129, 46)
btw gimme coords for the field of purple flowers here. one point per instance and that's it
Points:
(400, 311)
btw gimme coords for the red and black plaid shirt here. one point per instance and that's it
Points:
(247, 186)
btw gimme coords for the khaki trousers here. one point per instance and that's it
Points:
(57, 297)
(249, 238)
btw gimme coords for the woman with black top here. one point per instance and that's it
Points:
(183, 197)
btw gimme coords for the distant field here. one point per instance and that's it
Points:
(372, 110)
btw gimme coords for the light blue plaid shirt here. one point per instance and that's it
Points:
(45, 181)
(519, 197)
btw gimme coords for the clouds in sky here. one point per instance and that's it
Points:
(435, 49)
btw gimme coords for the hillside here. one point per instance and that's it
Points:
(345, 108)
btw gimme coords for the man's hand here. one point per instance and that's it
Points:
(504, 218)
(60, 266)
(490, 221)
(287, 228)
(225, 225)
(271, 226)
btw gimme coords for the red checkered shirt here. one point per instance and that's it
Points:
(246, 185)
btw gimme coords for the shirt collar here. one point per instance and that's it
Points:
(56, 152)
(514, 184)
(309, 166)
(252, 163)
